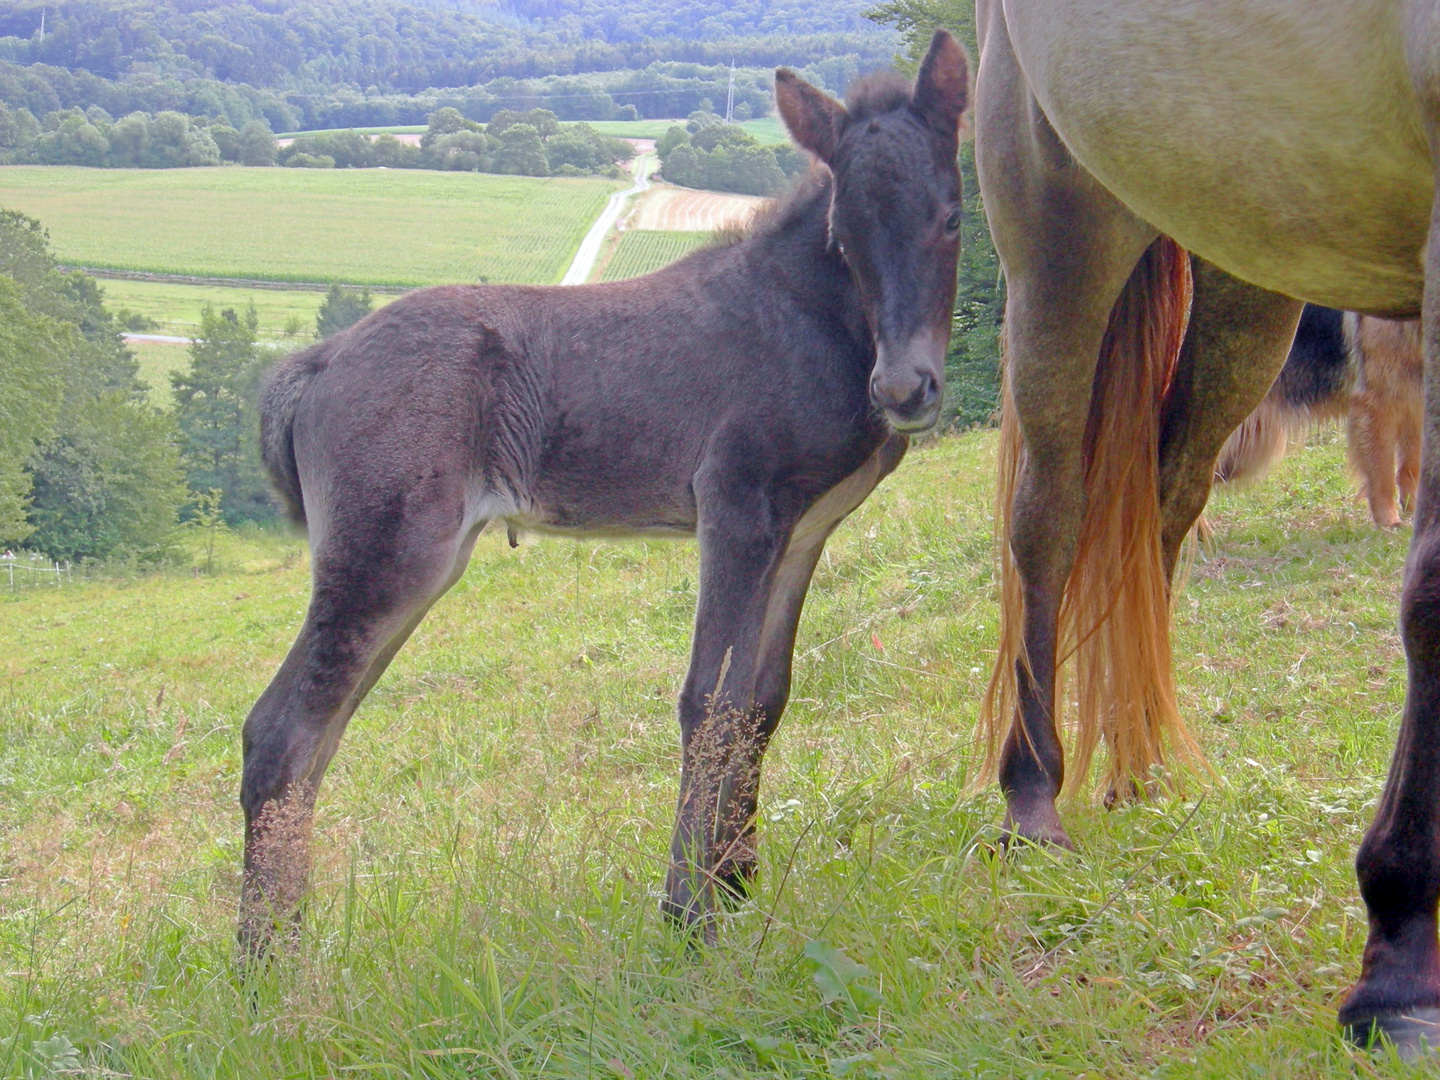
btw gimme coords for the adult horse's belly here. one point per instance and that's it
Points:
(1279, 139)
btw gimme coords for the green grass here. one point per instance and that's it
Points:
(156, 362)
(768, 129)
(492, 833)
(176, 307)
(643, 250)
(363, 226)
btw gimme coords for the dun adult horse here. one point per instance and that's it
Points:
(1289, 145)
(751, 395)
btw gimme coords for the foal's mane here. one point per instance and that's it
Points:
(874, 95)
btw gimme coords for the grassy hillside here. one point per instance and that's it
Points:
(369, 226)
(643, 250)
(492, 835)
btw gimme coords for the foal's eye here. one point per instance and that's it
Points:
(952, 223)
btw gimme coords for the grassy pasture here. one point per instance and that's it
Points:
(491, 836)
(642, 250)
(362, 226)
(157, 360)
(176, 306)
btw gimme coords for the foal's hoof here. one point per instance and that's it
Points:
(686, 911)
(1414, 1033)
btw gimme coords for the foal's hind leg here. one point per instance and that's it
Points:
(1235, 346)
(375, 575)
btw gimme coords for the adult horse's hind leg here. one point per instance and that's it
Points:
(1235, 345)
(376, 573)
(1068, 247)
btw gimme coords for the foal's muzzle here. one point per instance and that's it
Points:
(908, 383)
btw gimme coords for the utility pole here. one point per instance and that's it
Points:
(730, 95)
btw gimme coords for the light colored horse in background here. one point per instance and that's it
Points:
(1286, 144)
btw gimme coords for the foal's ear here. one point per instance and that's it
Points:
(942, 89)
(814, 118)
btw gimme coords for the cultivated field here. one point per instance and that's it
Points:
(361, 226)
(491, 837)
(666, 207)
(640, 251)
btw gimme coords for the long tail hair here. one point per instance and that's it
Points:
(1114, 620)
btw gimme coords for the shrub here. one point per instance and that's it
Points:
(342, 308)
(257, 144)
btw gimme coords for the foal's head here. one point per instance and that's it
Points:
(895, 213)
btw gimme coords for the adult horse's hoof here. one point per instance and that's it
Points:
(1037, 824)
(1013, 837)
(1414, 1033)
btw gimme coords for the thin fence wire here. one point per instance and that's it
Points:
(20, 572)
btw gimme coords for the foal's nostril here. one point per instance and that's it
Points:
(931, 389)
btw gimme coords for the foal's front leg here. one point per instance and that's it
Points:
(742, 538)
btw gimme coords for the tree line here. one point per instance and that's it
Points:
(659, 90)
(411, 46)
(165, 140)
(709, 153)
(530, 143)
(88, 468)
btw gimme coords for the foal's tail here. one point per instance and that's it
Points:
(284, 387)
(1115, 615)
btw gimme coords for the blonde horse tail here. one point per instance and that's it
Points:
(1115, 615)
(1260, 441)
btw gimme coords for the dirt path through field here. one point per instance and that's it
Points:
(669, 208)
(584, 261)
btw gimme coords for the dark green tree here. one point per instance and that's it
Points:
(216, 414)
(32, 349)
(257, 145)
(110, 486)
(342, 308)
(104, 479)
(521, 152)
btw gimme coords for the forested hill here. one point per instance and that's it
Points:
(310, 45)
